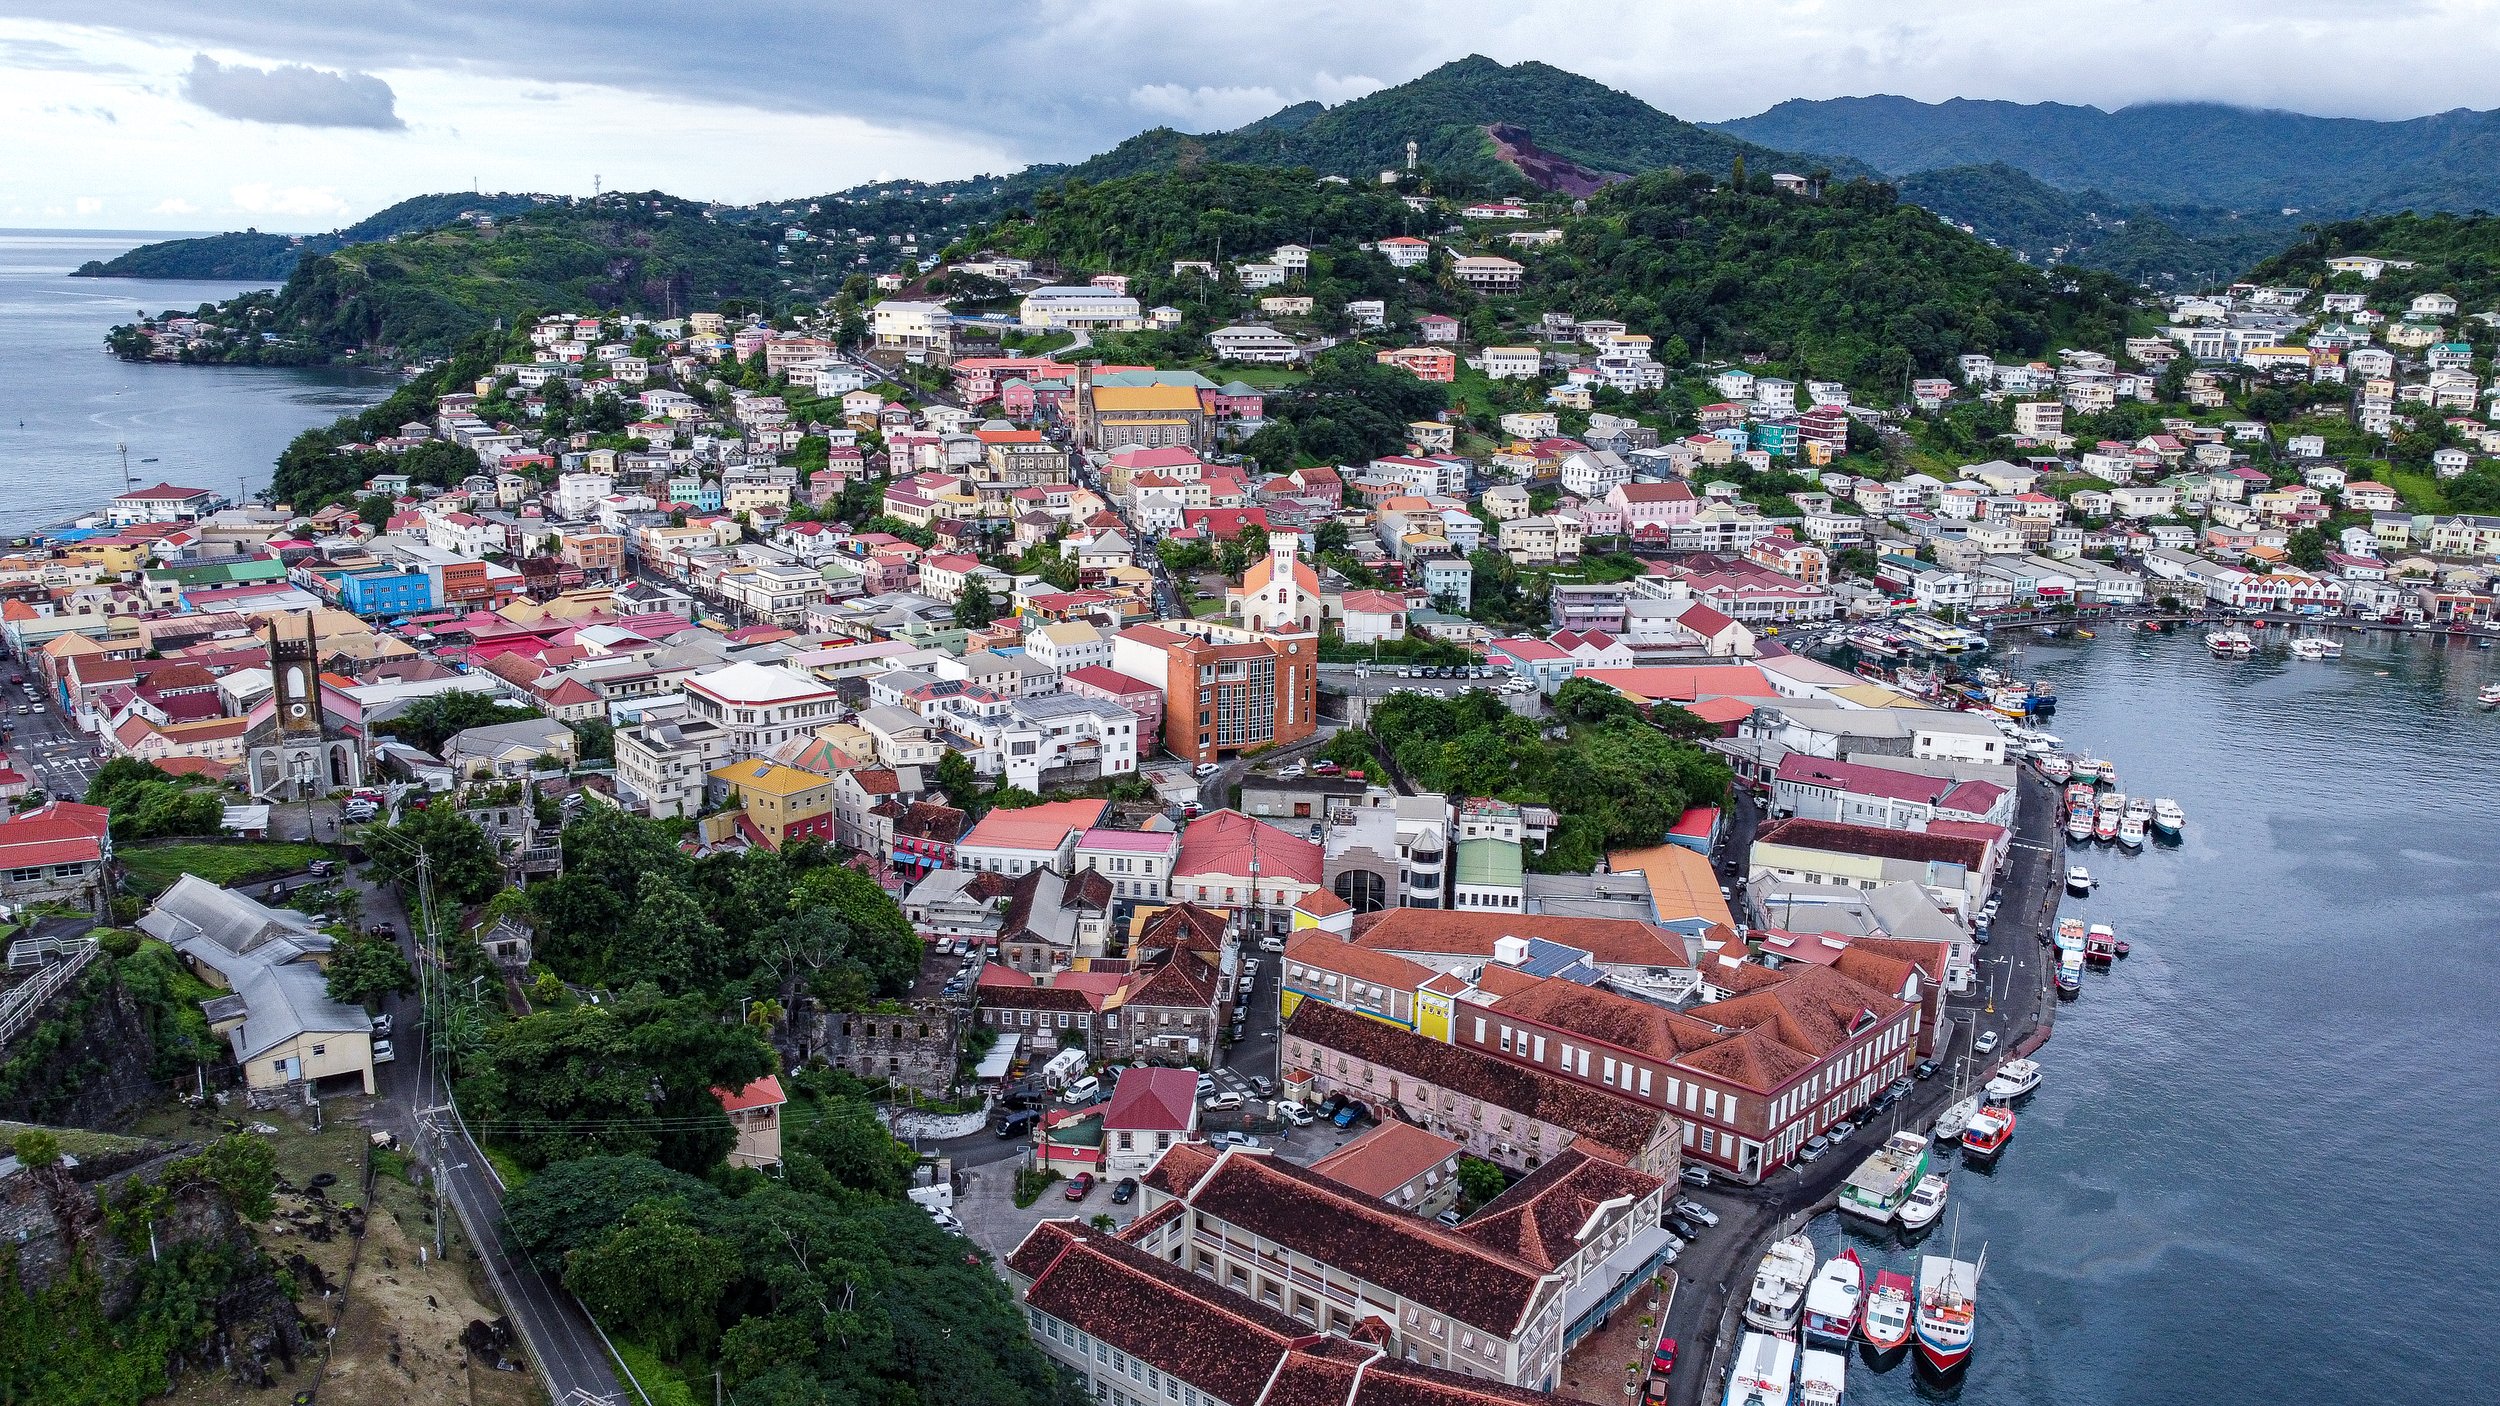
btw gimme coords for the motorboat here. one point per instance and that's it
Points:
(2168, 819)
(2105, 829)
(2055, 766)
(2078, 880)
(1925, 1204)
(1880, 1184)
(2140, 809)
(1990, 1129)
(1832, 1299)
(1821, 1375)
(2070, 975)
(1948, 1309)
(2015, 1078)
(2230, 644)
(1779, 1286)
(2081, 792)
(1890, 1305)
(2070, 935)
(1765, 1373)
(2490, 696)
(2317, 647)
(2100, 945)
(2130, 832)
(2078, 825)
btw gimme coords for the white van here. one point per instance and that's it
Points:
(1082, 1090)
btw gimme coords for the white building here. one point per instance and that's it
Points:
(759, 706)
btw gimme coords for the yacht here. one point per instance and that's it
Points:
(1832, 1299)
(1955, 1119)
(2130, 832)
(1886, 1322)
(1820, 1376)
(1925, 1204)
(2015, 1078)
(2078, 880)
(1779, 1286)
(2168, 819)
(2230, 644)
(1948, 1309)
(1765, 1371)
(2317, 647)
(1990, 1129)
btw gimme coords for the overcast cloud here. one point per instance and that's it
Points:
(382, 99)
(291, 94)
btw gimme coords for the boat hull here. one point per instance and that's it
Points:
(1943, 1357)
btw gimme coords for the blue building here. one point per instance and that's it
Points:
(1776, 437)
(694, 492)
(383, 593)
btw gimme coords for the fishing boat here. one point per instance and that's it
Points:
(1779, 1286)
(1882, 1183)
(2078, 825)
(2140, 809)
(2055, 766)
(2081, 791)
(2100, 945)
(1832, 1298)
(1990, 1129)
(2105, 829)
(2070, 975)
(1765, 1372)
(2078, 880)
(2070, 935)
(1889, 1307)
(2168, 819)
(2015, 1078)
(1925, 1204)
(1820, 1376)
(1948, 1309)
(2489, 697)
(2229, 644)
(2130, 832)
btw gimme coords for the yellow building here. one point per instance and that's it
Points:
(782, 803)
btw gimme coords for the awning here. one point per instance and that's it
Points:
(1613, 1280)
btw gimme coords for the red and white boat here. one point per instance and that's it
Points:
(1886, 1323)
(1990, 1129)
(1832, 1298)
(1948, 1309)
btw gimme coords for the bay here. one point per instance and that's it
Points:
(2261, 1160)
(65, 404)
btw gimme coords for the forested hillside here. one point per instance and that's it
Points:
(251, 254)
(2451, 253)
(2090, 230)
(1141, 223)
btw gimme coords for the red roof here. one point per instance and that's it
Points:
(763, 1093)
(1229, 842)
(1154, 1100)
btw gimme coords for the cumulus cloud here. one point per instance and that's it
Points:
(262, 198)
(291, 94)
(90, 205)
(174, 205)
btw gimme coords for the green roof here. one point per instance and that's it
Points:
(1190, 379)
(1492, 862)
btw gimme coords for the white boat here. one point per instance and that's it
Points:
(2015, 1078)
(2130, 832)
(2229, 644)
(2140, 809)
(2078, 880)
(1779, 1286)
(1832, 1298)
(2168, 819)
(2055, 767)
(2317, 647)
(1889, 1305)
(1765, 1373)
(1925, 1204)
(2079, 826)
(1821, 1374)
(2490, 696)
(2105, 828)
(1880, 1184)
(1948, 1309)
(1956, 1117)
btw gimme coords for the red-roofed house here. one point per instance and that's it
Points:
(1373, 615)
(756, 1111)
(1858, 793)
(1035, 837)
(1141, 699)
(57, 851)
(1150, 1110)
(1229, 860)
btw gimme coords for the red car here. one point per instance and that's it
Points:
(1663, 1360)
(1081, 1187)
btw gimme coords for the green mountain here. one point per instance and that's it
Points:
(2165, 154)
(250, 254)
(2450, 253)
(1474, 122)
(2045, 226)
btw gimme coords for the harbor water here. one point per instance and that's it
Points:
(2261, 1162)
(65, 405)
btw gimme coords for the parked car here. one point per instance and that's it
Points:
(381, 1025)
(1695, 1212)
(1261, 1085)
(1080, 1186)
(1840, 1132)
(1206, 1085)
(1814, 1148)
(1082, 1090)
(1015, 1124)
(1695, 1176)
(1328, 1106)
(1204, 769)
(383, 1053)
(1662, 1361)
(1448, 1218)
(1899, 1088)
(1926, 1070)
(1986, 1043)
(1296, 1114)
(1124, 1192)
(1235, 1140)
(321, 868)
(1220, 1103)
(1679, 1228)
(1349, 1115)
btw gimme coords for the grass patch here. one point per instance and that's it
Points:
(662, 1382)
(1030, 1185)
(83, 1143)
(154, 870)
(515, 1176)
(2422, 492)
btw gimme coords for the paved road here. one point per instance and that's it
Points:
(52, 754)
(1718, 1268)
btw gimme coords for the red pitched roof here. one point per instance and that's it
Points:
(1154, 1100)
(763, 1093)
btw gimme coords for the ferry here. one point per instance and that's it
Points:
(1948, 1309)
(2078, 881)
(1765, 1371)
(2100, 945)
(1821, 1374)
(1832, 1299)
(1990, 1129)
(2130, 832)
(2229, 644)
(1779, 1286)
(1882, 1183)
(2168, 819)
(1925, 1204)
(1889, 1307)
(2055, 766)
(2014, 1079)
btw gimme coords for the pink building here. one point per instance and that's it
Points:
(1651, 510)
(1136, 695)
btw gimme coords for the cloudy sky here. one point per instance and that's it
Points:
(307, 114)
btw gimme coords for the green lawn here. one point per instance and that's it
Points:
(1266, 378)
(666, 1386)
(153, 870)
(2422, 493)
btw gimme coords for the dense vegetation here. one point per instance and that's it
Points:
(252, 254)
(318, 468)
(2165, 153)
(1617, 780)
(2090, 230)
(1142, 223)
(149, 803)
(1854, 286)
(2452, 253)
(1351, 410)
(1445, 113)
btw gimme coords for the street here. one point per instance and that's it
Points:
(52, 754)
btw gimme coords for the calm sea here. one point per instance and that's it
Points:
(2263, 1156)
(66, 406)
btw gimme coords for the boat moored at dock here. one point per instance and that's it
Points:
(1832, 1299)
(1926, 1201)
(1881, 1183)
(1948, 1309)
(2168, 819)
(2078, 880)
(1990, 1129)
(1890, 1306)
(1821, 1376)
(1765, 1373)
(2230, 644)
(2014, 1079)
(1779, 1286)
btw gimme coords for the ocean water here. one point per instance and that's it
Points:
(66, 406)
(2262, 1158)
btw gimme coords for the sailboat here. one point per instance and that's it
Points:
(1957, 1114)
